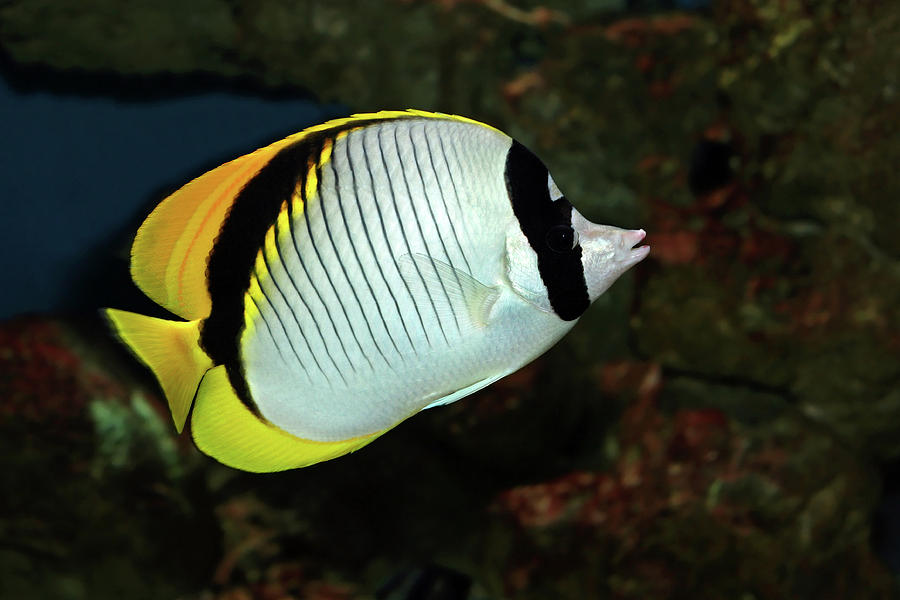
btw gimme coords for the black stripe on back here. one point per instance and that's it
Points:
(561, 272)
(243, 233)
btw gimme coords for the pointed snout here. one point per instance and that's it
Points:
(607, 252)
(627, 251)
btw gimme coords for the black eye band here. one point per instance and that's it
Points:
(547, 226)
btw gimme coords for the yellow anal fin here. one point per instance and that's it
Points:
(226, 430)
(171, 349)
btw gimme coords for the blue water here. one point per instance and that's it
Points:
(79, 173)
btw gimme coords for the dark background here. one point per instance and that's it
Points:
(723, 423)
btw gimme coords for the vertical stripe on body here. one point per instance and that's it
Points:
(406, 170)
(297, 204)
(282, 229)
(428, 203)
(340, 203)
(321, 203)
(393, 203)
(356, 197)
(312, 174)
(437, 179)
(365, 133)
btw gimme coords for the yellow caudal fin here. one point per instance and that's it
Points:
(171, 349)
(172, 246)
(226, 430)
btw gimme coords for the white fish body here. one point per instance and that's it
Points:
(416, 259)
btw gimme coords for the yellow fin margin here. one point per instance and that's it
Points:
(172, 246)
(226, 430)
(386, 115)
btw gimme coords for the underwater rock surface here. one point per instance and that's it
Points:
(714, 426)
(99, 500)
(112, 504)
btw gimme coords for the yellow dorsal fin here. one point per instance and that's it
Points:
(403, 114)
(172, 246)
(168, 259)
(226, 430)
(171, 349)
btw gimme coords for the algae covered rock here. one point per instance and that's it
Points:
(101, 502)
(688, 496)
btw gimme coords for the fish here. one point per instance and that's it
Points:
(336, 282)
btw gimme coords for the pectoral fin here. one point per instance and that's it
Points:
(456, 296)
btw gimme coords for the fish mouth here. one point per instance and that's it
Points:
(634, 255)
(610, 251)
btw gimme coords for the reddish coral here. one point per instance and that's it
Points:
(45, 381)
(251, 541)
(545, 503)
(665, 464)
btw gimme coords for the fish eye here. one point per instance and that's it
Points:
(561, 238)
